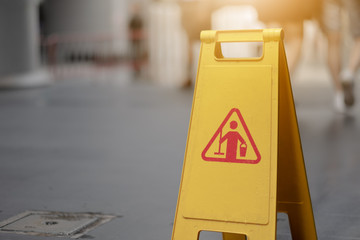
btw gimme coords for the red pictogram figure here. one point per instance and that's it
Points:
(240, 146)
(232, 138)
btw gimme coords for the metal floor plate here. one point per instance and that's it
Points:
(60, 224)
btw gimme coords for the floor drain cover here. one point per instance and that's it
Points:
(61, 224)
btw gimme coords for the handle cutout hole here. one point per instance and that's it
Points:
(238, 50)
(210, 235)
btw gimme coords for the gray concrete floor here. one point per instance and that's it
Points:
(117, 147)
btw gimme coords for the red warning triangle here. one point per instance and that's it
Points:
(232, 142)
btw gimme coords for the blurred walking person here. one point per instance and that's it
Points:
(347, 75)
(331, 22)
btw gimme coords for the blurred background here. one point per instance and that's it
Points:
(158, 40)
(95, 99)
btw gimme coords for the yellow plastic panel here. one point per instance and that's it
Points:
(235, 189)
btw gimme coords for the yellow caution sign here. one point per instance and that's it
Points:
(243, 160)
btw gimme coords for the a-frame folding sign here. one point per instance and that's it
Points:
(243, 160)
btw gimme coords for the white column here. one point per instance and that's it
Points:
(167, 45)
(19, 45)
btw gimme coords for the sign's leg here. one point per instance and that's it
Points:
(301, 222)
(233, 236)
(293, 195)
(185, 231)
